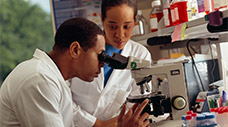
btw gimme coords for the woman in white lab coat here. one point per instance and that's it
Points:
(100, 100)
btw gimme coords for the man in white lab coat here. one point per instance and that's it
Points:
(35, 93)
(102, 98)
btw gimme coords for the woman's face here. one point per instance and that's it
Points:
(118, 25)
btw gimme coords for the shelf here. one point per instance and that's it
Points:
(191, 25)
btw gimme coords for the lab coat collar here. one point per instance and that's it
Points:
(41, 55)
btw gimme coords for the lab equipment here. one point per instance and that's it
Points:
(117, 61)
(181, 83)
(142, 72)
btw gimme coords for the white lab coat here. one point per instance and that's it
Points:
(102, 103)
(36, 95)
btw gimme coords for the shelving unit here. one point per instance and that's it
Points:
(191, 24)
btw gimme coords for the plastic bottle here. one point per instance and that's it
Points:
(183, 121)
(226, 116)
(167, 13)
(208, 6)
(189, 10)
(156, 15)
(141, 26)
(221, 117)
(194, 8)
(215, 111)
(201, 9)
(209, 119)
(188, 121)
(194, 121)
(200, 120)
(173, 17)
(179, 11)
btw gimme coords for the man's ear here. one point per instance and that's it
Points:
(75, 49)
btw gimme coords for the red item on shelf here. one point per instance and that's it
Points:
(179, 12)
(182, 10)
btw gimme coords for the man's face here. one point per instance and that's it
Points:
(118, 25)
(89, 65)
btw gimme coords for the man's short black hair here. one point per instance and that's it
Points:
(77, 29)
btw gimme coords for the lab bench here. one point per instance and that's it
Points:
(167, 123)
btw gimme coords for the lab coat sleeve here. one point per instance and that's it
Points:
(82, 118)
(37, 104)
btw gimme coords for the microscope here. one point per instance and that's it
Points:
(169, 92)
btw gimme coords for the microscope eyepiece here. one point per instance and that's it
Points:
(103, 57)
(116, 61)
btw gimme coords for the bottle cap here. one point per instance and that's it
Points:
(139, 12)
(189, 112)
(220, 110)
(188, 117)
(183, 117)
(226, 109)
(156, 3)
(216, 109)
(194, 114)
(212, 110)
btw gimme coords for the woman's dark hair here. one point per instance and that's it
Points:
(108, 4)
(77, 29)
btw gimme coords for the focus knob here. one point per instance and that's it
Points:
(179, 102)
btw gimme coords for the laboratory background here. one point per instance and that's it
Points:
(187, 39)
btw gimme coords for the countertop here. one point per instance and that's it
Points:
(167, 123)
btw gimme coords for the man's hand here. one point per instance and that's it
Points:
(134, 118)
